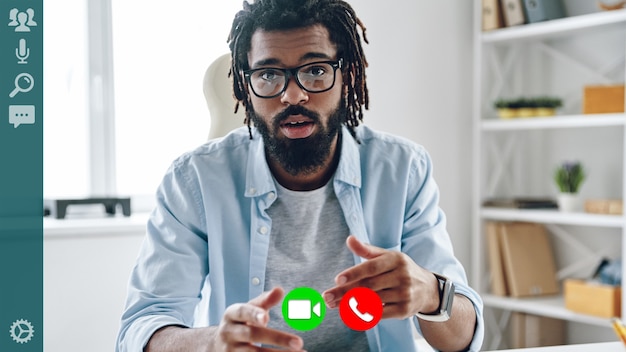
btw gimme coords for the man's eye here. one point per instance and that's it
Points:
(316, 71)
(269, 75)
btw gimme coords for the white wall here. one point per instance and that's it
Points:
(420, 79)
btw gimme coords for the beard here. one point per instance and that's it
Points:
(303, 155)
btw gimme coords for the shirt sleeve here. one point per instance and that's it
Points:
(166, 282)
(426, 240)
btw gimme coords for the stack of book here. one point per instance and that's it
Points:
(506, 13)
(522, 203)
(521, 259)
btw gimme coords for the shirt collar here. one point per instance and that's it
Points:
(259, 180)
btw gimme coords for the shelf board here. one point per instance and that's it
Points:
(565, 121)
(551, 216)
(555, 27)
(547, 306)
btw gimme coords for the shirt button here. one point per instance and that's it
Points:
(252, 190)
(263, 230)
(271, 195)
(256, 281)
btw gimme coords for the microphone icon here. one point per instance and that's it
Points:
(22, 52)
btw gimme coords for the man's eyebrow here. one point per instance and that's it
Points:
(277, 62)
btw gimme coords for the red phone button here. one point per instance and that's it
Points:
(360, 309)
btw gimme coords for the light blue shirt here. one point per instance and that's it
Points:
(210, 223)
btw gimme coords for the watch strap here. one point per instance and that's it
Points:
(446, 296)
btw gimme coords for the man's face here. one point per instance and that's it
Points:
(299, 128)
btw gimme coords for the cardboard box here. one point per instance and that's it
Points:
(604, 206)
(603, 99)
(592, 298)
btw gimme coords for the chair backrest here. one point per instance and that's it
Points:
(218, 92)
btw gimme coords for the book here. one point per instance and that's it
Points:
(492, 15)
(513, 12)
(543, 10)
(528, 259)
(522, 203)
(498, 280)
(527, 330)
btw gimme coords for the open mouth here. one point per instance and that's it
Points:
(296, 124)
(296, 127)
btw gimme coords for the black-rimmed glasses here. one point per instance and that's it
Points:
(314, 77)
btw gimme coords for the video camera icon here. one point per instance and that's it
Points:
(303, 309)
(299, 309)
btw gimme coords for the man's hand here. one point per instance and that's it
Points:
(404, 287)
(245, 324)
(243, 328)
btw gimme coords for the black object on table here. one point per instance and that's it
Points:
(58, 207)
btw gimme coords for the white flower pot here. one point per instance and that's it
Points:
(568, 202)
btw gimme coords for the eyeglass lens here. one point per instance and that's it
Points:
(314, 77)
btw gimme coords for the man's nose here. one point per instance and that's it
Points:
(293, 94)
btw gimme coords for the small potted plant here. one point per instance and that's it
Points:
(546, 106)
(569, 176)
(505, 109)
(527, 107)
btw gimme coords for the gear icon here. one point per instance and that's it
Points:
(22, 331)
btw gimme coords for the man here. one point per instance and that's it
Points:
(306, 197)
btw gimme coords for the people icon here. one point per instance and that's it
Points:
(31, 18)
(22, 21)
(13, 17)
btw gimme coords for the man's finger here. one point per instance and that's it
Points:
(246, 313)
(244, 335)
(268, 299)
(363, 250)
(365, 270)
(276, 338)
(255, 311)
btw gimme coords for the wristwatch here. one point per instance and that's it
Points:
(446, 296)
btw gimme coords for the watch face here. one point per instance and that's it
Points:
(448, 296)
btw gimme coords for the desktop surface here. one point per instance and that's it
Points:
(587, 347)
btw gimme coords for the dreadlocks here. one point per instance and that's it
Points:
(336, 15)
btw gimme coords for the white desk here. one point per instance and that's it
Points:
(587, 347)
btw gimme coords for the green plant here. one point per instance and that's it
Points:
(501, 104)
(532, 102)
(548, 102)
(569, 176)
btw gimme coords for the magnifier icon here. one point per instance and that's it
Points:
(24, 82)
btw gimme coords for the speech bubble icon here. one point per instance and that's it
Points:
(21, 115)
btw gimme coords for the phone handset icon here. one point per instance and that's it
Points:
(366, 317)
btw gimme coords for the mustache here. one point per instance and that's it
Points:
(295, 110)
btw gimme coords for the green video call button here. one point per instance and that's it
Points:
(303, 309)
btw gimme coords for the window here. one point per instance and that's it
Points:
(123, 90)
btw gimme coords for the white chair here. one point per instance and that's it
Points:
(218, 92)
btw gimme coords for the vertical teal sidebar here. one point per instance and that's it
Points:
(21, 175)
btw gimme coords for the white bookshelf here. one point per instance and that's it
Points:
(568, 121)
(555, 28)
(496, 52)
(552, 217)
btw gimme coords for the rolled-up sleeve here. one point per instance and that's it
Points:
(166, 282)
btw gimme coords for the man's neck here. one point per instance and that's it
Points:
(308, 181)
